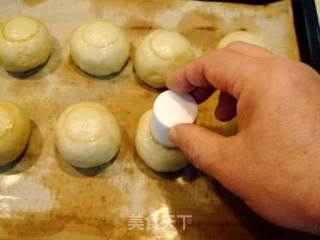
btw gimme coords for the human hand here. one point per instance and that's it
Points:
(273, 162)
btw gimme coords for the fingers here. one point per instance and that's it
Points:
(212, 153)
(226, 70)
(202, 94)
(189, 77)
(227, 107)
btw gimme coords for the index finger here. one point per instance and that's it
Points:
(226, 70)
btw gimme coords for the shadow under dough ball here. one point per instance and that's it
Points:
(160, 54)
(25, 43)
(157, 156)
(14, 132)
(87, 135)
(99, 48)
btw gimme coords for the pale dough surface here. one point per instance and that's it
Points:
(14, 132)
(161, 53)
(87, 135)
(25, 43)
(100, 48)
(155, 155)
(243, 36)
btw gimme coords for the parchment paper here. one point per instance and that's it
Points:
(42, 197)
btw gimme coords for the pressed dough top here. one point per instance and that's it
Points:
(168, 45)
(20, 29)
(85, 124)
(100, 34)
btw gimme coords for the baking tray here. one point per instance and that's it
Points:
(254, 2)
(42, 197)
(308, 31)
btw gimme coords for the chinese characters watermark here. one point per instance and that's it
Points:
(156, 223)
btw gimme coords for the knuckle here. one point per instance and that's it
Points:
(281, 69)
(281, 65)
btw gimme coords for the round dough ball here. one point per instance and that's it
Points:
(160, 54)
(87, 135)
(25, 43)
(155, 155)
(99, 48)
(14, 132)
(243, 36)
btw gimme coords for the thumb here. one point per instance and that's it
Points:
(216, 155)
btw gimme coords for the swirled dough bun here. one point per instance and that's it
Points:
(155, 155)
(14, 132)
(87, 135)
(243, 36)
(99, 48)
(25, 43)
(160, 54)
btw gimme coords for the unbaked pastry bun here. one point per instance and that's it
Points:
(99, 48)
(243, 36)
(25, 43)
(155, 155)
(14, 132)
(160, 54)
(87, 135)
